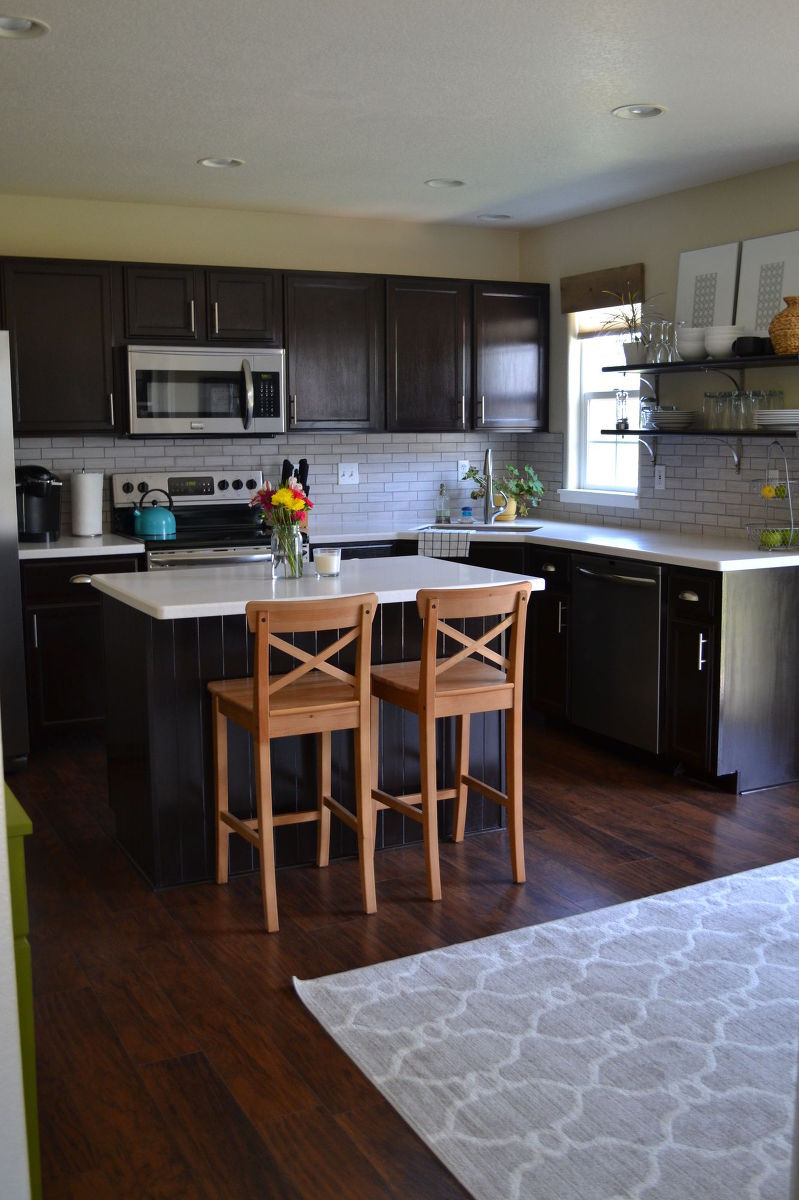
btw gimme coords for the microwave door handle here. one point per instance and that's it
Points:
(247, 395)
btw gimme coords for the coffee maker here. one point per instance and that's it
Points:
(38, 504)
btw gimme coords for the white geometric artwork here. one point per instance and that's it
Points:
(706, 284)
(769, 272)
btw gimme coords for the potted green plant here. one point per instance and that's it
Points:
(632, 318)
(522, 487)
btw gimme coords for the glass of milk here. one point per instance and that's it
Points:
(327, 560)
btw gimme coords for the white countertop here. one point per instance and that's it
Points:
(225, 591)
(80, 547)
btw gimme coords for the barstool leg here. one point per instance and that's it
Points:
(220, 791)
(462, 731)
(266, 832)
(513, 772)
(374, 755)
(427, 762)
(323, 777)
(365, 813)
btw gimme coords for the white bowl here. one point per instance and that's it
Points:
(719, 345)
(691, 351)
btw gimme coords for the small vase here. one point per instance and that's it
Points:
(286, 552)
(634, 353)
(784, 328)
(510, 512)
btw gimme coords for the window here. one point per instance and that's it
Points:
(605, 464)
(600, 469)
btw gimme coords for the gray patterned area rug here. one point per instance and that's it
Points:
(645, 1051)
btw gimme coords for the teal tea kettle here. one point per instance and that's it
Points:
(154, 522)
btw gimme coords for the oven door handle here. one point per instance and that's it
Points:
(247, 395)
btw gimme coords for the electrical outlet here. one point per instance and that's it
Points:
(347, 473)
(660, 479)
(463, 467)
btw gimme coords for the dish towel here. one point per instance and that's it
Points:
(445, 543)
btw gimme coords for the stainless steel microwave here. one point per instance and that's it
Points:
(203, 390)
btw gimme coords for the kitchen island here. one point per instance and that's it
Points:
(168, 633)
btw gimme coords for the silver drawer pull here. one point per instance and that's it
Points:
(80, 579)
(562, 607)
(701, 662)
(635, 580)
(692, 596)
(548, 568)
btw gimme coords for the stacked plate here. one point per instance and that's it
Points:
(672, 420)
(777, 418)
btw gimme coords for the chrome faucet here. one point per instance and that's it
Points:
(491, 510)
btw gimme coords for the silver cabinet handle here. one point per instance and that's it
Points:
(249, 395)
(294, 410)
(548, 568)
(191, 316)
(111, 406)
(463, 411)
(80, 579)
(216, 316)
(701, 662)
(562, 610)
(36, 631)
(692, 596)
(482, 410)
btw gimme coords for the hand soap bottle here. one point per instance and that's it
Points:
(442, 506)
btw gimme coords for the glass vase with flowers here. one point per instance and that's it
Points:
(284, 510)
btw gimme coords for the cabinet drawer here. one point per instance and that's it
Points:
(53, 580)
(551, 565)
(692, 596)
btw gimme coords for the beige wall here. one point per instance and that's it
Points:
(59, 228)
(654, 232)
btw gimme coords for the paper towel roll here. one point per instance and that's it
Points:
(87, 503)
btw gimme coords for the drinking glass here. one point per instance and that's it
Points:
(327, 560)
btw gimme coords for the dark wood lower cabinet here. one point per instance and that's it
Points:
(691, 694)
(160, 755)
(64, 654)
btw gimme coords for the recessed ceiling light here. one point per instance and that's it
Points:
(494, 217)
(220, 163)
(22, 27)
(637, 112)
(443, 183)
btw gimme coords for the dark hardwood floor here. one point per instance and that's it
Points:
(174, 1059)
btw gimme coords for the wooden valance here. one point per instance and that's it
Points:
(578, 293)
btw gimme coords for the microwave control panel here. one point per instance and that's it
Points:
(266, 386)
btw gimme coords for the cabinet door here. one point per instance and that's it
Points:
(547, 660)
(59, 319)
(65, 665)
(510, 355)
(429, 325)
(163, 302)
(334, 342)
(691, 692)
(246, 307)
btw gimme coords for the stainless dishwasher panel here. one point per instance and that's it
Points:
(616, 636)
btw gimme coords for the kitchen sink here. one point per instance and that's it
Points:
(481, 527)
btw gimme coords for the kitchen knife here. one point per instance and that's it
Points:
(302, 474)
(286, 471)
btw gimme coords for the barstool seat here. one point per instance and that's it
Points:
(316, 696)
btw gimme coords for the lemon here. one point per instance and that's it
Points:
(768, 491)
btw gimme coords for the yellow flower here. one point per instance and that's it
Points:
(285, 498)
(768, 491)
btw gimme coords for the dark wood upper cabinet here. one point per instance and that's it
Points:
(335, 351)
(163, 302)
(511, 338)
(429, 340)
(245, 306)
(59, 319)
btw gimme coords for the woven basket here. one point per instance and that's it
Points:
(784, 328)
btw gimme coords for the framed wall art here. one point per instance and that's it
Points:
(706, 283)
(769, 271)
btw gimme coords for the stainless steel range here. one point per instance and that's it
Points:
(215, 524)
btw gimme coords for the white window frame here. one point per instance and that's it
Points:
(576, 491)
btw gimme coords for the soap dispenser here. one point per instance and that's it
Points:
(442, 506)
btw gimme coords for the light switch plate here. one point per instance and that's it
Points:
(347, 473)
(463, 467)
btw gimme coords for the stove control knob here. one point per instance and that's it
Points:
(223, 485)
(237, 485)
(127, 487)
(252, 484)
(144, 487)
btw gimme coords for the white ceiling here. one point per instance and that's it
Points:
(347, 106)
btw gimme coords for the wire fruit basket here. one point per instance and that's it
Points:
(779, 530)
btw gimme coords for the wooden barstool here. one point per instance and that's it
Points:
(315, 697)
(459, 685)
